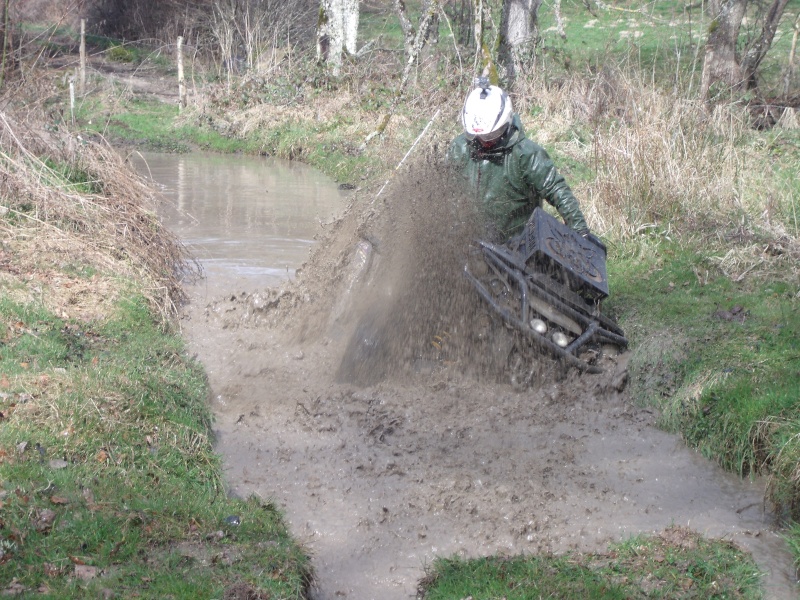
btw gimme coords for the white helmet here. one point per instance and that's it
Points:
(487, 113)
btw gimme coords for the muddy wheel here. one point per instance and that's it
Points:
(365, 358)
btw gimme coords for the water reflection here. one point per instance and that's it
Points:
(250, 221)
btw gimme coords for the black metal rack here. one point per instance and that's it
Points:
(551, 273)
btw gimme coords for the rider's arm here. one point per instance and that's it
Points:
(543, 177)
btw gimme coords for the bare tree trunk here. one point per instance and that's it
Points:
(409, 32)
(323, 33)
(181, 80)
(721, 62)
(82, 54)
(335, 34)
(756, 53)
(350, 19)
(789, 75)
(6, 40)
(559, 19)
(477, 25)
(518, 35)
(405, 25)
(337, 30)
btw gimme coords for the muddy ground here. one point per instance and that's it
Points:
(394, 450)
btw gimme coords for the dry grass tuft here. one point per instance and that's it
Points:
(666, 167)
(782, 463)
(69, 201)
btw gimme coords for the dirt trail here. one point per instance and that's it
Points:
(433, 457)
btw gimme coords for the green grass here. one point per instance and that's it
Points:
(152, 125)
(675, 565)
(106, 464)
(715, 380)
(663, 38)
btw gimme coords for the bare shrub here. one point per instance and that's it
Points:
(245, 32)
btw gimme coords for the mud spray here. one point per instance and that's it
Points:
(366, 399)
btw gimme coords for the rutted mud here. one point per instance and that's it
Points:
(425, 452)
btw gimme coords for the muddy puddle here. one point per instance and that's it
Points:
(377, 480)
(249, 221)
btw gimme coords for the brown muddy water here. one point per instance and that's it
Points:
(379, 480)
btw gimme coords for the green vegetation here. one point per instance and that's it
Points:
(676, 564)
(720, 358)
(150, 124)
(107, 475)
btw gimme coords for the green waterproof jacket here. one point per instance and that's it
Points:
(512, 178)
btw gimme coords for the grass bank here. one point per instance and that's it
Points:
(109, 485)
(676, 564)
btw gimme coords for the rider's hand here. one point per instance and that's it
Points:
(594, 239)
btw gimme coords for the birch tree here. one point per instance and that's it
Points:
(518, 30)
(337, 31)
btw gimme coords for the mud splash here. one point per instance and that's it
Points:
(434, 456)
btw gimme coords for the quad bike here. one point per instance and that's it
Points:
(547, 284)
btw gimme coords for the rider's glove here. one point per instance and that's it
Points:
(594, 239)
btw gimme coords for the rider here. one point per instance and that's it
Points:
(510, 173)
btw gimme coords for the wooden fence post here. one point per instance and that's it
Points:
(72, 98)
(181, 81)
(82, 80)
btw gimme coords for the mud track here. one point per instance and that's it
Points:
(430, 458)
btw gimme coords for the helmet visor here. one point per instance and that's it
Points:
(492, 136)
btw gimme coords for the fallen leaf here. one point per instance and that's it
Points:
(102, 456)
(116, 548)
(14, 588)
(4, 383)
(24, 365)
(85, 572)
(44, 520)
(58, 500)
(52, 570)
(57, 463)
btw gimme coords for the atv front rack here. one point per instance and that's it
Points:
(546, 294)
